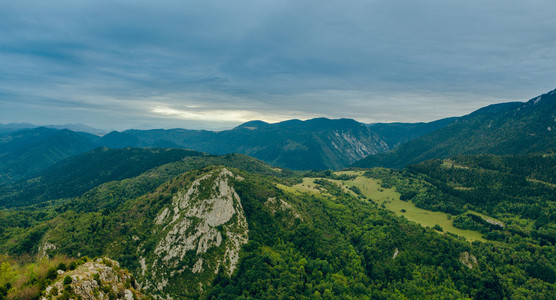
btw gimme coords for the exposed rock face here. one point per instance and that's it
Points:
(494, 222)
(356, 148)
(45, 246)
(396, 252)
(201, 233)
(100, 279)
(468, 260)
(352, 146)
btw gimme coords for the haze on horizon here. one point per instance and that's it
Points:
(216, 64)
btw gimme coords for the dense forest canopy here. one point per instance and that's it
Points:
(331, 242)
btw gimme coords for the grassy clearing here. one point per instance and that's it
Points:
(307, 186)
(372, 189)
(389, 199)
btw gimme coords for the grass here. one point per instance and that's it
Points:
(307, 186)
(390, 199)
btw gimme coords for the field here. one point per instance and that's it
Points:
(390, 199)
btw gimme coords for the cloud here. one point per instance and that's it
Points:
(217, 115)
(369, 60)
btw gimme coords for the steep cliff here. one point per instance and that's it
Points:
(199, 234)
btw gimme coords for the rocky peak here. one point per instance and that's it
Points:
(99, 279)
(200, 233)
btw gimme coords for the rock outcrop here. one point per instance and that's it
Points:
(201, 233)
(99, 279)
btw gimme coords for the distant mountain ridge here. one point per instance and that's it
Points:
(26, 152)
(313, 144)
(398, 133)
(12, 127)
(506, 128)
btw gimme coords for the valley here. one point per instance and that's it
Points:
(280, 150)
(183, 224)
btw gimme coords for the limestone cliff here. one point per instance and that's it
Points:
(200, 234)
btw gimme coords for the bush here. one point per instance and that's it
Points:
(54, 291)
(62, 266)
(67, 280)
(52, 273)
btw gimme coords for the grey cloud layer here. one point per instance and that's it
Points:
(369, 60)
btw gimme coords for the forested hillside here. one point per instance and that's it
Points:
(233, 227)
(398, 133)
(78, 174)
(27, 152)
(302, 145)
(507, 128)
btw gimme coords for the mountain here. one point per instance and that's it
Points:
(25, 153)
(61, 277)
(395, 134)
(11, 127)
(232, 227)
(78, 174)
(507, 128)
(302, 145)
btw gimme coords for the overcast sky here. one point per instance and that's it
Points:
(216, 64)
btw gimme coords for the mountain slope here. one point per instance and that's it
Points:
(221, 232)
(312, 144)
(395, 134)
(26, 152)
(78, 174)
(508, 128)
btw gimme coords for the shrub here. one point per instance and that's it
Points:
(437, 227)
(54, 291)
(62, 266)
(52, 273)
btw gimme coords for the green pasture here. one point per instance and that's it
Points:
(390, 199)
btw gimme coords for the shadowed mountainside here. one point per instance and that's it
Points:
(507, 128)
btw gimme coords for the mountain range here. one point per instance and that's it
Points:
(301, 145)
(232, 227)
(317, 144)
(507, 128)
(465, 211)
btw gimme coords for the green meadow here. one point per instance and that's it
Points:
(390, 199)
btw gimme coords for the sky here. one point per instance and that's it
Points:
(207, 64)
